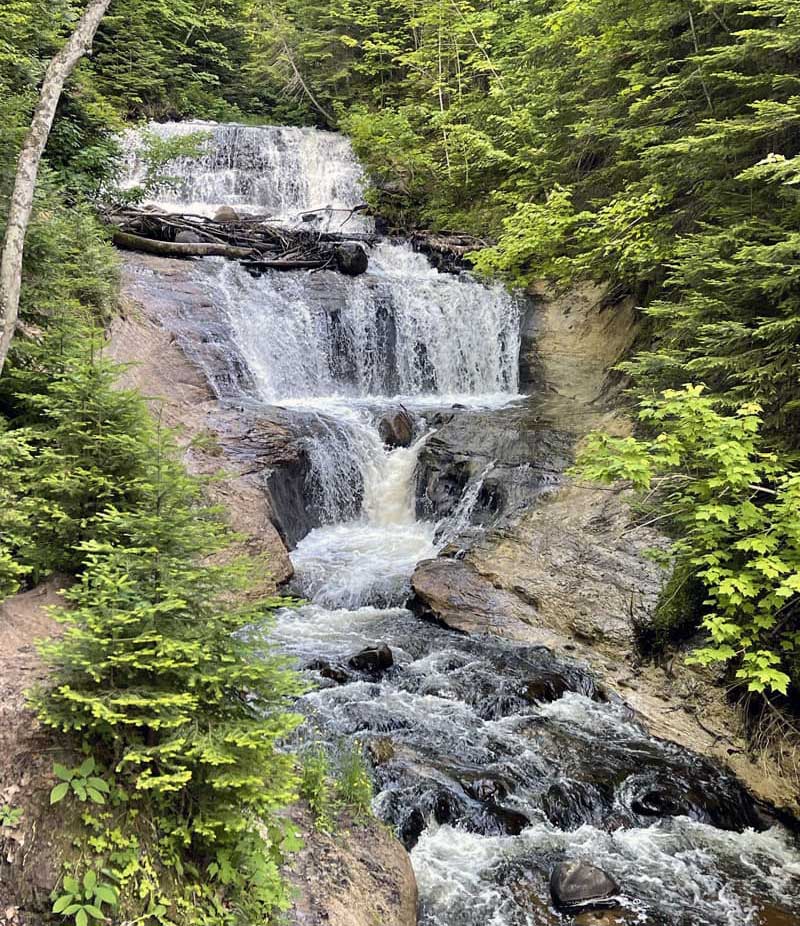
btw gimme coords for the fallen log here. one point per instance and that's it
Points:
(130, 242)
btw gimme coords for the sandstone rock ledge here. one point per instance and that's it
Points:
(358, 876)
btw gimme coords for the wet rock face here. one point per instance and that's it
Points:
(351, 259)
(452, 592)
(578, 885)
(396, 428)
(226, 214)
(515, 452)
(372, 659)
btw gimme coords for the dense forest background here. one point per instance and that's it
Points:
(653, 146)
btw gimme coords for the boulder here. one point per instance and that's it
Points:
(189, 237)
(397, 428)
(373, 659)
(578, 885)
(351, 259)
(226, 214)
(330, 671)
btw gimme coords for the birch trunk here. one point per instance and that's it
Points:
(19, 214)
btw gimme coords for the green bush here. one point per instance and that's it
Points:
(734, 504)
(162, 673)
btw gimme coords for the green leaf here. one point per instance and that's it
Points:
(62, 903)
(62, 772)
(106, 894)
(94, 912)
(59, 792)
(81, 917)
(87, 767)
(89, 880)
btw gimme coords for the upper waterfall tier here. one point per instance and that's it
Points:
(281, 171)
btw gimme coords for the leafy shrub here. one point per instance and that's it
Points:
(735, 505)
(676, 617)
(83, 782)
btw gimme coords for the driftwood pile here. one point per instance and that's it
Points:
(260, 246)
(251, 240)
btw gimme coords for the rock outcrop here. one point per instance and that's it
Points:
(358, 876)
(578, 885)
(396, 428)
(561, 563)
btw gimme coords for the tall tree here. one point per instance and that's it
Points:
(58, 71)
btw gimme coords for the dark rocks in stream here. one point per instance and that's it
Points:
(578, 885)
(351, 259)
(330, 670)
(373, 659)
(396, 428)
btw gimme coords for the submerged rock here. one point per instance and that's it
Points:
(373, 659)
(396, 428)
(577, 885)
(330, 671)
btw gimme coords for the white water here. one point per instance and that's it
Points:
(336, 353)
(280, 171)
(402, 330)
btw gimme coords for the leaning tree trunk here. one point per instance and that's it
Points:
(19, 213)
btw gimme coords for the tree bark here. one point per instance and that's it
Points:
(19, 214)
(131, 242)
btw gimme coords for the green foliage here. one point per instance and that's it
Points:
(315, 786)
(734, 505)
(82, 448)
(79, 781)
(161, 673)
(10, 817)
(676, 617)
(334, 780)
(353, 784)
(83, 900)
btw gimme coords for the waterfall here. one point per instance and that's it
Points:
(368, 560)
(402, 329)
(332, 348)
(503, 758)
(282, 171)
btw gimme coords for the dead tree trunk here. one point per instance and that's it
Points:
(175, 249)
(19, 213)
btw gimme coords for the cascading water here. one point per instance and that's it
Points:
(495, 760)
(276, 170)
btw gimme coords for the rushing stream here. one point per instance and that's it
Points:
(492, 761)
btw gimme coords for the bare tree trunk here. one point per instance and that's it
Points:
(19, 213)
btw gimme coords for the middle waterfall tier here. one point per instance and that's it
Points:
(403, 329)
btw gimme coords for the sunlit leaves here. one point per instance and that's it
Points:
(734, 508)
